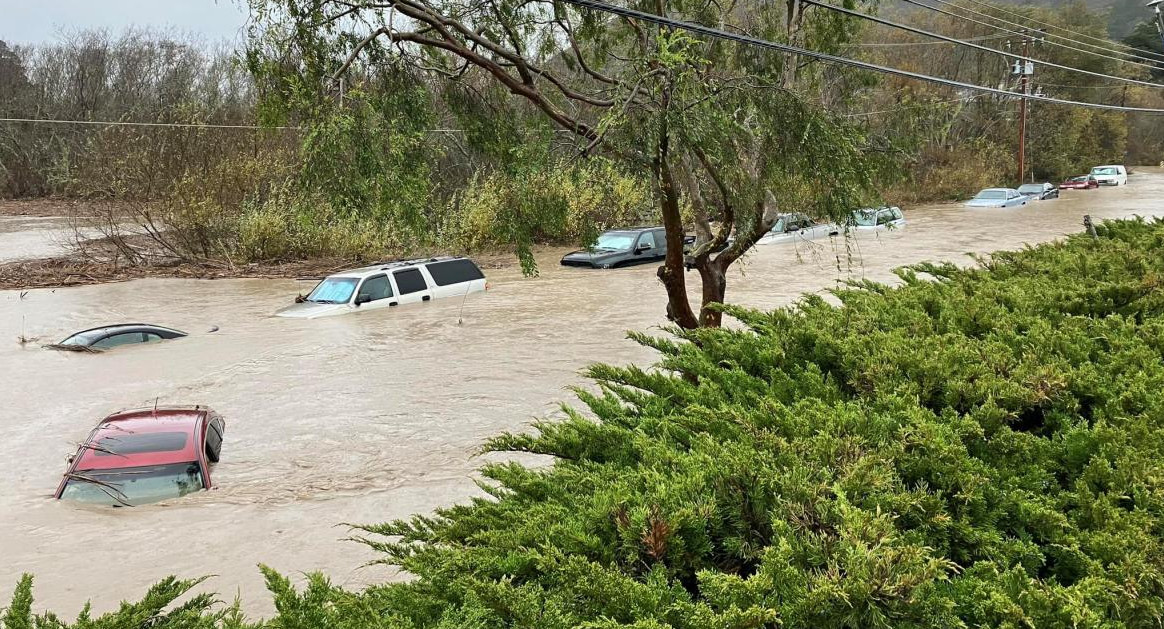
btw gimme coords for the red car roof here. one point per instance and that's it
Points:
(144, 437)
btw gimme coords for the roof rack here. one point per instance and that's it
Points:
(153, 410)
(393, 264)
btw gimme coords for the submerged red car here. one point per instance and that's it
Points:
(1082, 182)
(143, 456)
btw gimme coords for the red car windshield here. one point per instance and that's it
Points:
(132, 486)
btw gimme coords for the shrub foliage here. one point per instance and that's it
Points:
(975, 448)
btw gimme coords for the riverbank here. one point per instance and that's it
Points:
(101, 265)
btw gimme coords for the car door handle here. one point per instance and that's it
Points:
(391, 303)
(426, 298)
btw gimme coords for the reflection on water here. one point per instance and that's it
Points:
(365, 417)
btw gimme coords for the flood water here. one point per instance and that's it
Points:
(23, 237)
(368, 417)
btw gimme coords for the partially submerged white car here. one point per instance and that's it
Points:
(796, 227)
(868, 219)
(1110, 175)
(389, 284)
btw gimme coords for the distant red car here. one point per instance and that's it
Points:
(1082, 182)
(142, 456)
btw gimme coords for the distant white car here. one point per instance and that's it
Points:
(1111, 175)
(794, 227)
(998, 197)
(389, 284)
(866, 219)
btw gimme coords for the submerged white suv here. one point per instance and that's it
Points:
(1110, 175)
(389, 284)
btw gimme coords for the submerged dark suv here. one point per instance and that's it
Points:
(621, 247)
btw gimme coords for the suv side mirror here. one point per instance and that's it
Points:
(641, 248)
(363, 298)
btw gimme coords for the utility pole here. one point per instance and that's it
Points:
(1155, 4)
(1023, 82)
(1024, 68)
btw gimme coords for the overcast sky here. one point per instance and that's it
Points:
(35, 21)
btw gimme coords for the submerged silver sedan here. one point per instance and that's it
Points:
(998, 197)
(795, 227)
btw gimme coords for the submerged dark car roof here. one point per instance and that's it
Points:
(126, 327)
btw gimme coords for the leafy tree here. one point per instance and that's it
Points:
(728, 134)
(1146, 37)
(1124, 17)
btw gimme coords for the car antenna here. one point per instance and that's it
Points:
(156, 406)
(460, 315)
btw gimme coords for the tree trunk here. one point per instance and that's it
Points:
(714, 288)
(671, 273)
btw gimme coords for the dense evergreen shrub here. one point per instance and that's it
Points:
(976, 448)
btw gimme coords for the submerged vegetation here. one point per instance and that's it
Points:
(974, 448)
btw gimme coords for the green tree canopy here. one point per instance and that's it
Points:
(730, 135)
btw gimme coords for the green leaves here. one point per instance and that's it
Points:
(977, 451)
(161, 607)
(18, 615)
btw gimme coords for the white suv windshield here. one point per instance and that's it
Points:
(1103, 171)
(333, 290)
(865, 218)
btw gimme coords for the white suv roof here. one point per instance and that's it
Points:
(365, 271)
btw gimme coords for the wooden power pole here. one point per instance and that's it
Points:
(1025, 68)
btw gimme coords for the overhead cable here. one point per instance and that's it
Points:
(918, 31)
(188, 125)
(1114, 45)
(966, 99)
(835, 59)
(1109, 42)
(119, 123)
(1150, 63)
(922, 43)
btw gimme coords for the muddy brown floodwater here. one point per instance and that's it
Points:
(23, 237)
(361, 418)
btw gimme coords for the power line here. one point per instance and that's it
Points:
(918, 105)
(864, 65)
(115, 123)
(1066, 30)
(1107, 48)
(924, 43)
(1020, 33)
(918, 31)
(1078, 87)
(1053, 43)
